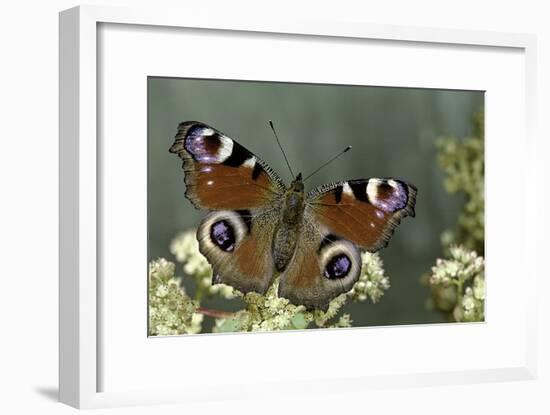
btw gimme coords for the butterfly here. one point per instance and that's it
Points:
(258, 228)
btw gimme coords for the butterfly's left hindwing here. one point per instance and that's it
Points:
(238, 246)
(220, 173)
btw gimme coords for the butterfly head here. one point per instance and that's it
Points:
(297, 184)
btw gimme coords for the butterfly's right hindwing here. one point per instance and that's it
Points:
(323, 267)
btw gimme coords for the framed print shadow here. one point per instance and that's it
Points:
(213, 214)
(269, 255)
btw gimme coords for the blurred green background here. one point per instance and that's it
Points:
(392, 131)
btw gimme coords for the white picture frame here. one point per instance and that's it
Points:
(82, 162)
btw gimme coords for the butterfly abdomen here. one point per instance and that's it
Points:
(284, 245)
(286, 235)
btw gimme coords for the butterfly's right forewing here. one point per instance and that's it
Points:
(364, 211)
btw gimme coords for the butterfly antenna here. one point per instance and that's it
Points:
(281, 147)
(348, 148)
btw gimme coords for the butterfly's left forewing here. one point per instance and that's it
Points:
(220, 173)
(238, 246)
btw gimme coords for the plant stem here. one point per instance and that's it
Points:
(214, 313)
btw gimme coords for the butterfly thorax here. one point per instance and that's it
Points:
(286, 234)
(294, 202)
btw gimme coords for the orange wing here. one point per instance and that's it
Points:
(220, 173)
(322, 267)
(238, 246)
(364, 211)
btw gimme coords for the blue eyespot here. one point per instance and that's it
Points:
(223, 236)
(338, 267)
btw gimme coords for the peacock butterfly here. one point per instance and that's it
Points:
(258, 228)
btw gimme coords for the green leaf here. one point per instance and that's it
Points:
(299, 321)
(229, 326)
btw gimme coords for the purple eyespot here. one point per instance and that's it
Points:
(390, 198)
(223, 236)
(338, 267)
(203, 144)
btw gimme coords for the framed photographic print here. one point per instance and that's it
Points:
(246, 236)
(231, 191)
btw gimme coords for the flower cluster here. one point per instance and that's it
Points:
(171, 311)
(372, 283)
(462, 162)
(458, 285)
(266, 312)
(269, 312)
